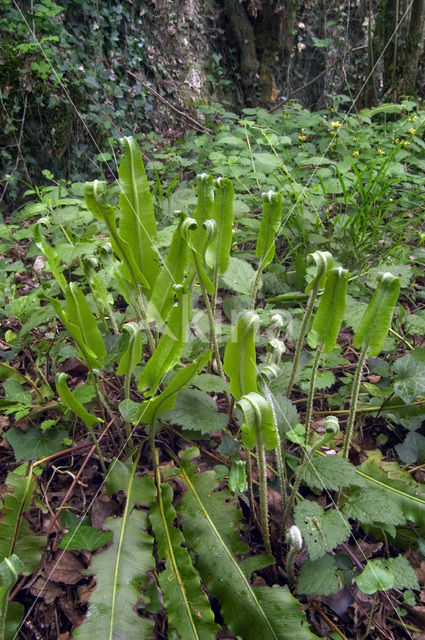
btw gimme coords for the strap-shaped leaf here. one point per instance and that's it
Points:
(50, 253)
(197, 245)
(10, 614)
(377, 318)
(71, 402)
(188, 610)
(210, 523)
(204, 208)
(79, 314)
(258, 415)
(133, 353)
(137, 225)
(330, 313)
(93, 193)
(120, 571)
(170, 347)
(270, 222)
(155, 406)
(324, 262)
(171, 274)
(16, 536)
(239, 356)
(218, 251)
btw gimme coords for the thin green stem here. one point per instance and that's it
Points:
(309, 411)
(255, 288)
(303, 329)
(354, 399)
(250, 489)
(263, 492)
(283, 480)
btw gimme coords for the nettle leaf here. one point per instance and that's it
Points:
(188, 610)
(331, 472)
(354, 312)
(321, 530)
(412, 449)
(415, 323)
(410, 371)
(210, 525)
(196, 411)
(239, 276)
(85, 537)
(286, 412)
(319, 577)
(373, 506)
(211, 383)
(403, 572)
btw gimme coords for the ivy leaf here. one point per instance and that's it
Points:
(196, 411)
(373, 506)
(85, 537)
(331, 472)
(410, 370)
(239, 276)
(412, 449)
(375, 577)
(319, 577)
(322, 531)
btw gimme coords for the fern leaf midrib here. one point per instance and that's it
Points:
(136, 209)
(229, 554)
(174, 563)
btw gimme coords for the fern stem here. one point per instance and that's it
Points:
(303, 329)
(283, 480)
(250, 489)
(263, 491)
(354, 399)
(255, 288)
(311, 396)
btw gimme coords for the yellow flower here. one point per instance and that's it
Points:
(335, 125)
(302, 138)
(405, 143)
(334, 132)
(380, 152)
(356, 154)
(411, 131)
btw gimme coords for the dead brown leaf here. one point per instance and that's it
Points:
(64, 566)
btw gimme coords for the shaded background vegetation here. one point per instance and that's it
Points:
(76, 75)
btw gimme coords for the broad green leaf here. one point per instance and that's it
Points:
(79, 314)
(376, 320)
(412, 449)
(188, 610)
(137, 226)
(11, 614)
(237, 476)
(218, 251)
(170, 347)
(375, 577)
(171, 274)
(319, 577)
(270, 222)
(203, 210)
(321, 530)
(330, 313)
(35, 444)
(404, 575)
(239, 276)
(71, 402)
(155, 406)
(120, 571)
(85, 537)
(240, 357)
(50, 253)
(210, 523)
(373, 506)
(196, 411)
(398, 484)
(331, 472)
(259, 421)
(16, 536)
(133, 353)
(410, 371)
(211, 383)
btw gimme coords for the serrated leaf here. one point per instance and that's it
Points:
(196, 411)
(319, 577)
(415, 323)
(321, 530)
(373, 506)
(210, 524)
(410, 370)
(85, 537)
(239, 276)
(404, 575)
(120, 571)
(331, 472)
(286, 412)
(209, 382)
(188, 610)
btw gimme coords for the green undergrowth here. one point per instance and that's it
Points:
(212, 340)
